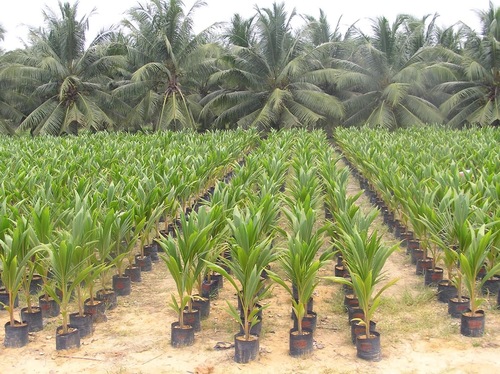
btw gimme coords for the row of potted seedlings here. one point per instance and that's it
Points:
(361, 256)
(231, 236)
(96, 241)
(448, 225)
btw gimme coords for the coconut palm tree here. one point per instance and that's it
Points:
(240, 32)
(473, 96)
(382, 82)
(167, 59)
(66, 82)
(265, 85)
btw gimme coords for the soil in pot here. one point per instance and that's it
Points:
(144, 262)
(203, 305)
(446, 291)
(368, 347)
(358, 328)
(69, 340)
(433, 276)
(97, 309)
(134, 272)
(108, 296)
(16, 336)
(121, 284)
(301, 345)
(84, 323)
(472, 324)
(181, 337)
(193, 319)
(50, 308)
(33, 319)
(456, 307)
(245, 350)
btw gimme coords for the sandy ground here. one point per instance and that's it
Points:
(417, 334)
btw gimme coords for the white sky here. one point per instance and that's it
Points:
(16, 13)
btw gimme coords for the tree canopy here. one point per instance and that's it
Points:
(153, 72)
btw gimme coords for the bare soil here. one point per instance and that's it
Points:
(417, 335)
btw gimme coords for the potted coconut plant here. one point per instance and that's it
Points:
(250, 254)
(123, 239)
(301, 265)
(42, 224)
(365, 257)
(472, 260)
(14, 257)
(184, 260)
(68, 269)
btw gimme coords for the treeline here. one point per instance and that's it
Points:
(153, 73)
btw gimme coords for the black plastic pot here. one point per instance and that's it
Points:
(210, 289)
(16, 336)
(151, 250)
(181, 337)
(219, 280)
(69, 340)
(193, 319)
(203, 305)
(36, 284)
(308, 322)
(368, 348)
(245, 350)
(50, 307)
(357, 328)
(134, 273)
(491, 286)
(340, 270)
(122, 284)
(355, 313)
(472, 324)
(97, 310)
(301, 345)
(416, 254)
(108, 296)
(351, 301)
(433, 277)
(4, 299)
(423, 266)
(33, 319)
(456, 308)
(84, 323)
(446, 291)
(144, 262)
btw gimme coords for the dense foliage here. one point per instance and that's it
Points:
(155, 73)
